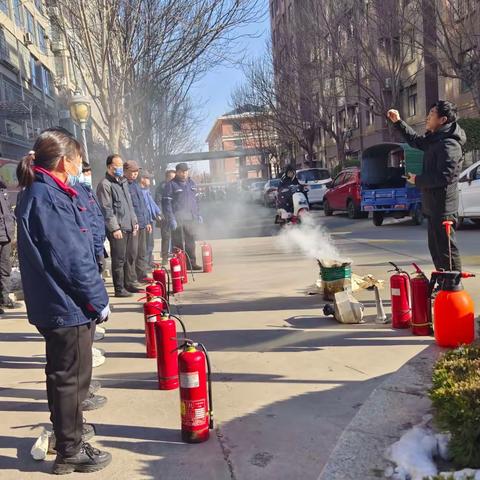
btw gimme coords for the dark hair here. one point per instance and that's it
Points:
(446, 109)
(51, 145)
(111, 158)
(86, 167)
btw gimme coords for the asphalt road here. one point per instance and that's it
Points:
(287, 380)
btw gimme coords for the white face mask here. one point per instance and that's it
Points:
(73, 179)
(86, 180)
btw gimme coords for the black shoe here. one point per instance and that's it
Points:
(123, 294)
(93, 402)
(134, 289)
(197, 268)
(94, 387)
(10, 304)
(2, 311)
(88, 459)
(88, 432)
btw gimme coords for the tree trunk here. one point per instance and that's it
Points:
(341, 154)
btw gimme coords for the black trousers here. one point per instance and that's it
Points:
(166, 239)
(150, 242)
(438, 243)
(68, 371)
(5, 270)
(120, 250)
(137, 257)
(185, 234)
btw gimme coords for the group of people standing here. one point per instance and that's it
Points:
(62, 225)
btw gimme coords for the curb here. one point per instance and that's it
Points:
(393, 407)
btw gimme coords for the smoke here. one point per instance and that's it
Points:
(312, 240)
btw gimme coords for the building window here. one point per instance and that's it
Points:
(18, 12)
(412, 100)
(369, 112)
(36, 73)
(42, 42)
(30, 23)
(4, 7)
(236, 126)
(47, 82)
(410, 45)
(14, 130)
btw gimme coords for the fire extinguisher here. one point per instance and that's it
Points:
(176, 275)
(400, 295)
(154, 290)
(207, 257)
(195, 392)
(182, 256)
(167, 350)
(152, 309)
(161, 276)
(421, 303)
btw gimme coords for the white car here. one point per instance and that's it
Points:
(256, 191)
(316, 180)
(469, 194)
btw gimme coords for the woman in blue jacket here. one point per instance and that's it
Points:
(63, 290)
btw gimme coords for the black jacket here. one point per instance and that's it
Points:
(7, 219)
(116, 204)
(442, 164)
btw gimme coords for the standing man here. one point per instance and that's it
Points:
(180, 206)
(137, 258)
(94, 214)
(121, 222)
(165, 228)
(7, 228)
(154, 213)
(442, 162)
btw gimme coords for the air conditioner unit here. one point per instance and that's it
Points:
(57, 46)
(61, 81)
(27, 38)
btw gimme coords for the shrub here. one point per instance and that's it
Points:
(455, 395)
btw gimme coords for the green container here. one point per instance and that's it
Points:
(330, 274)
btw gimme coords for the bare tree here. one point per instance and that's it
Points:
(109, 40)
(453, 42)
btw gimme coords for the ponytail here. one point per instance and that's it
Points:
(25, 172)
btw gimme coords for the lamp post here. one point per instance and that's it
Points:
(80, 112)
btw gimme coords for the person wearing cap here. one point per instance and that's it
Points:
(121, 222)
(154, 213)
(137, 257)
(163, 224)
(94, 213)
(181, 209)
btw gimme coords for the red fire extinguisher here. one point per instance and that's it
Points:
(182, 256)
(161, 276)
(207, 258)
(176, 275)
(154, 290)
(400, 294)
(195, 392)
(152, 309)
(167, 350)
(421, 303)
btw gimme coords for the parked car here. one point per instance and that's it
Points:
(344, 194)
(255, 191)
(270, 192)
(469, 194)
(316, 180)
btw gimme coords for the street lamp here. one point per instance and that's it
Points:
(80, 111)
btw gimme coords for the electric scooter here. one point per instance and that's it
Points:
(292, 204)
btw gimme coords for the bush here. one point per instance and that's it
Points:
(455, 395)
(472, 129)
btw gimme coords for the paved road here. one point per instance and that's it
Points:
(287, 380)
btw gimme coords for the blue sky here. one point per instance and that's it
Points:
(215, 88)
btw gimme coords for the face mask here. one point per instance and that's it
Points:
(85, 180)
(118, 172)
(72, 180)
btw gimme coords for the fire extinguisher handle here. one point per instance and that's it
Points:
(396, 268)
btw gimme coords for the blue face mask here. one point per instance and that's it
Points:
(118, 172)
(72, 180)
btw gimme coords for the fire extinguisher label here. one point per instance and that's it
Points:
(152, 319)
(194, 412)
(396, 292)
(177, 268)
(206, 254)
(189, 380)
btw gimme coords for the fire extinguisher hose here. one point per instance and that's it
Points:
(190, 262)
(181, 323)
(209, 379)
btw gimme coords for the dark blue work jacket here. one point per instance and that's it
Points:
(96, 222)
(180, 201)
(138, 204)
(61, 283)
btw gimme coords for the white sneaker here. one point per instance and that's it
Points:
(98, 360)
(98, 352)
(100, 329)
(98, 336)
